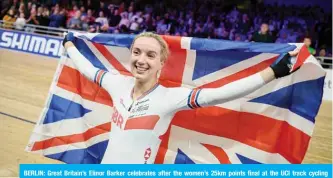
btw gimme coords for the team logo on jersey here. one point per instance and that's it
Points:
(147, 154)
(141, 102)
(140, 108)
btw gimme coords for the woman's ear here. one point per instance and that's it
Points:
(162, 62)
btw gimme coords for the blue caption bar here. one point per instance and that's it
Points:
(232, 171)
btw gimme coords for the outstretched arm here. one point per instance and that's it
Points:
(234, 90)
(103, 78)
(80, 62)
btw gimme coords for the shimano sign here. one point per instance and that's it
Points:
(32, 43)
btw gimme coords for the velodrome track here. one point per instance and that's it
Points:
(24, 83)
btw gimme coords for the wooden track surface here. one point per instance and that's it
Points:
(24, 84)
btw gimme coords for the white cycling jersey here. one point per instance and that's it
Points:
(138, 125)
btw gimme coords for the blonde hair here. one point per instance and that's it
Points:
(164, 46)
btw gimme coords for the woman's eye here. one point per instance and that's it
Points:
(151, 55)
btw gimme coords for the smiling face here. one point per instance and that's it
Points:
(146, 59)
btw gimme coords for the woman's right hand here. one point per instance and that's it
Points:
(68, 38)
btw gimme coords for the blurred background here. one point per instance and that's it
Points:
(268, 21)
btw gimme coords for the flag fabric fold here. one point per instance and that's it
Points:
(271, 125)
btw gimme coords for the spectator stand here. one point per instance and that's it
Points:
(326, 62)
(34, 29)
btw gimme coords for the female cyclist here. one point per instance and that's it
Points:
(143, 109)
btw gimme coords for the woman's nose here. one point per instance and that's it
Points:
(141, 58)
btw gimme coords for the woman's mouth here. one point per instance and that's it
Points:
(141, 69)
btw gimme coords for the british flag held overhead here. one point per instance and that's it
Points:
(271, 125)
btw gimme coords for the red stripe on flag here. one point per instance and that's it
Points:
(172, 72)
(241, 74)
(145, 122)
(171, 76)
(69, 139)
(303, 54)
(258, 131)
(219, 153)
(114, 62)
(163, 147)
(72, 80)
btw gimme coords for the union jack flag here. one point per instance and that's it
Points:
(271, 125)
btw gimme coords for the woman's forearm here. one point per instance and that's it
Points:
(80, 62)
(234, 90)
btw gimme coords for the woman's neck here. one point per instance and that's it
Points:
(141, 87)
